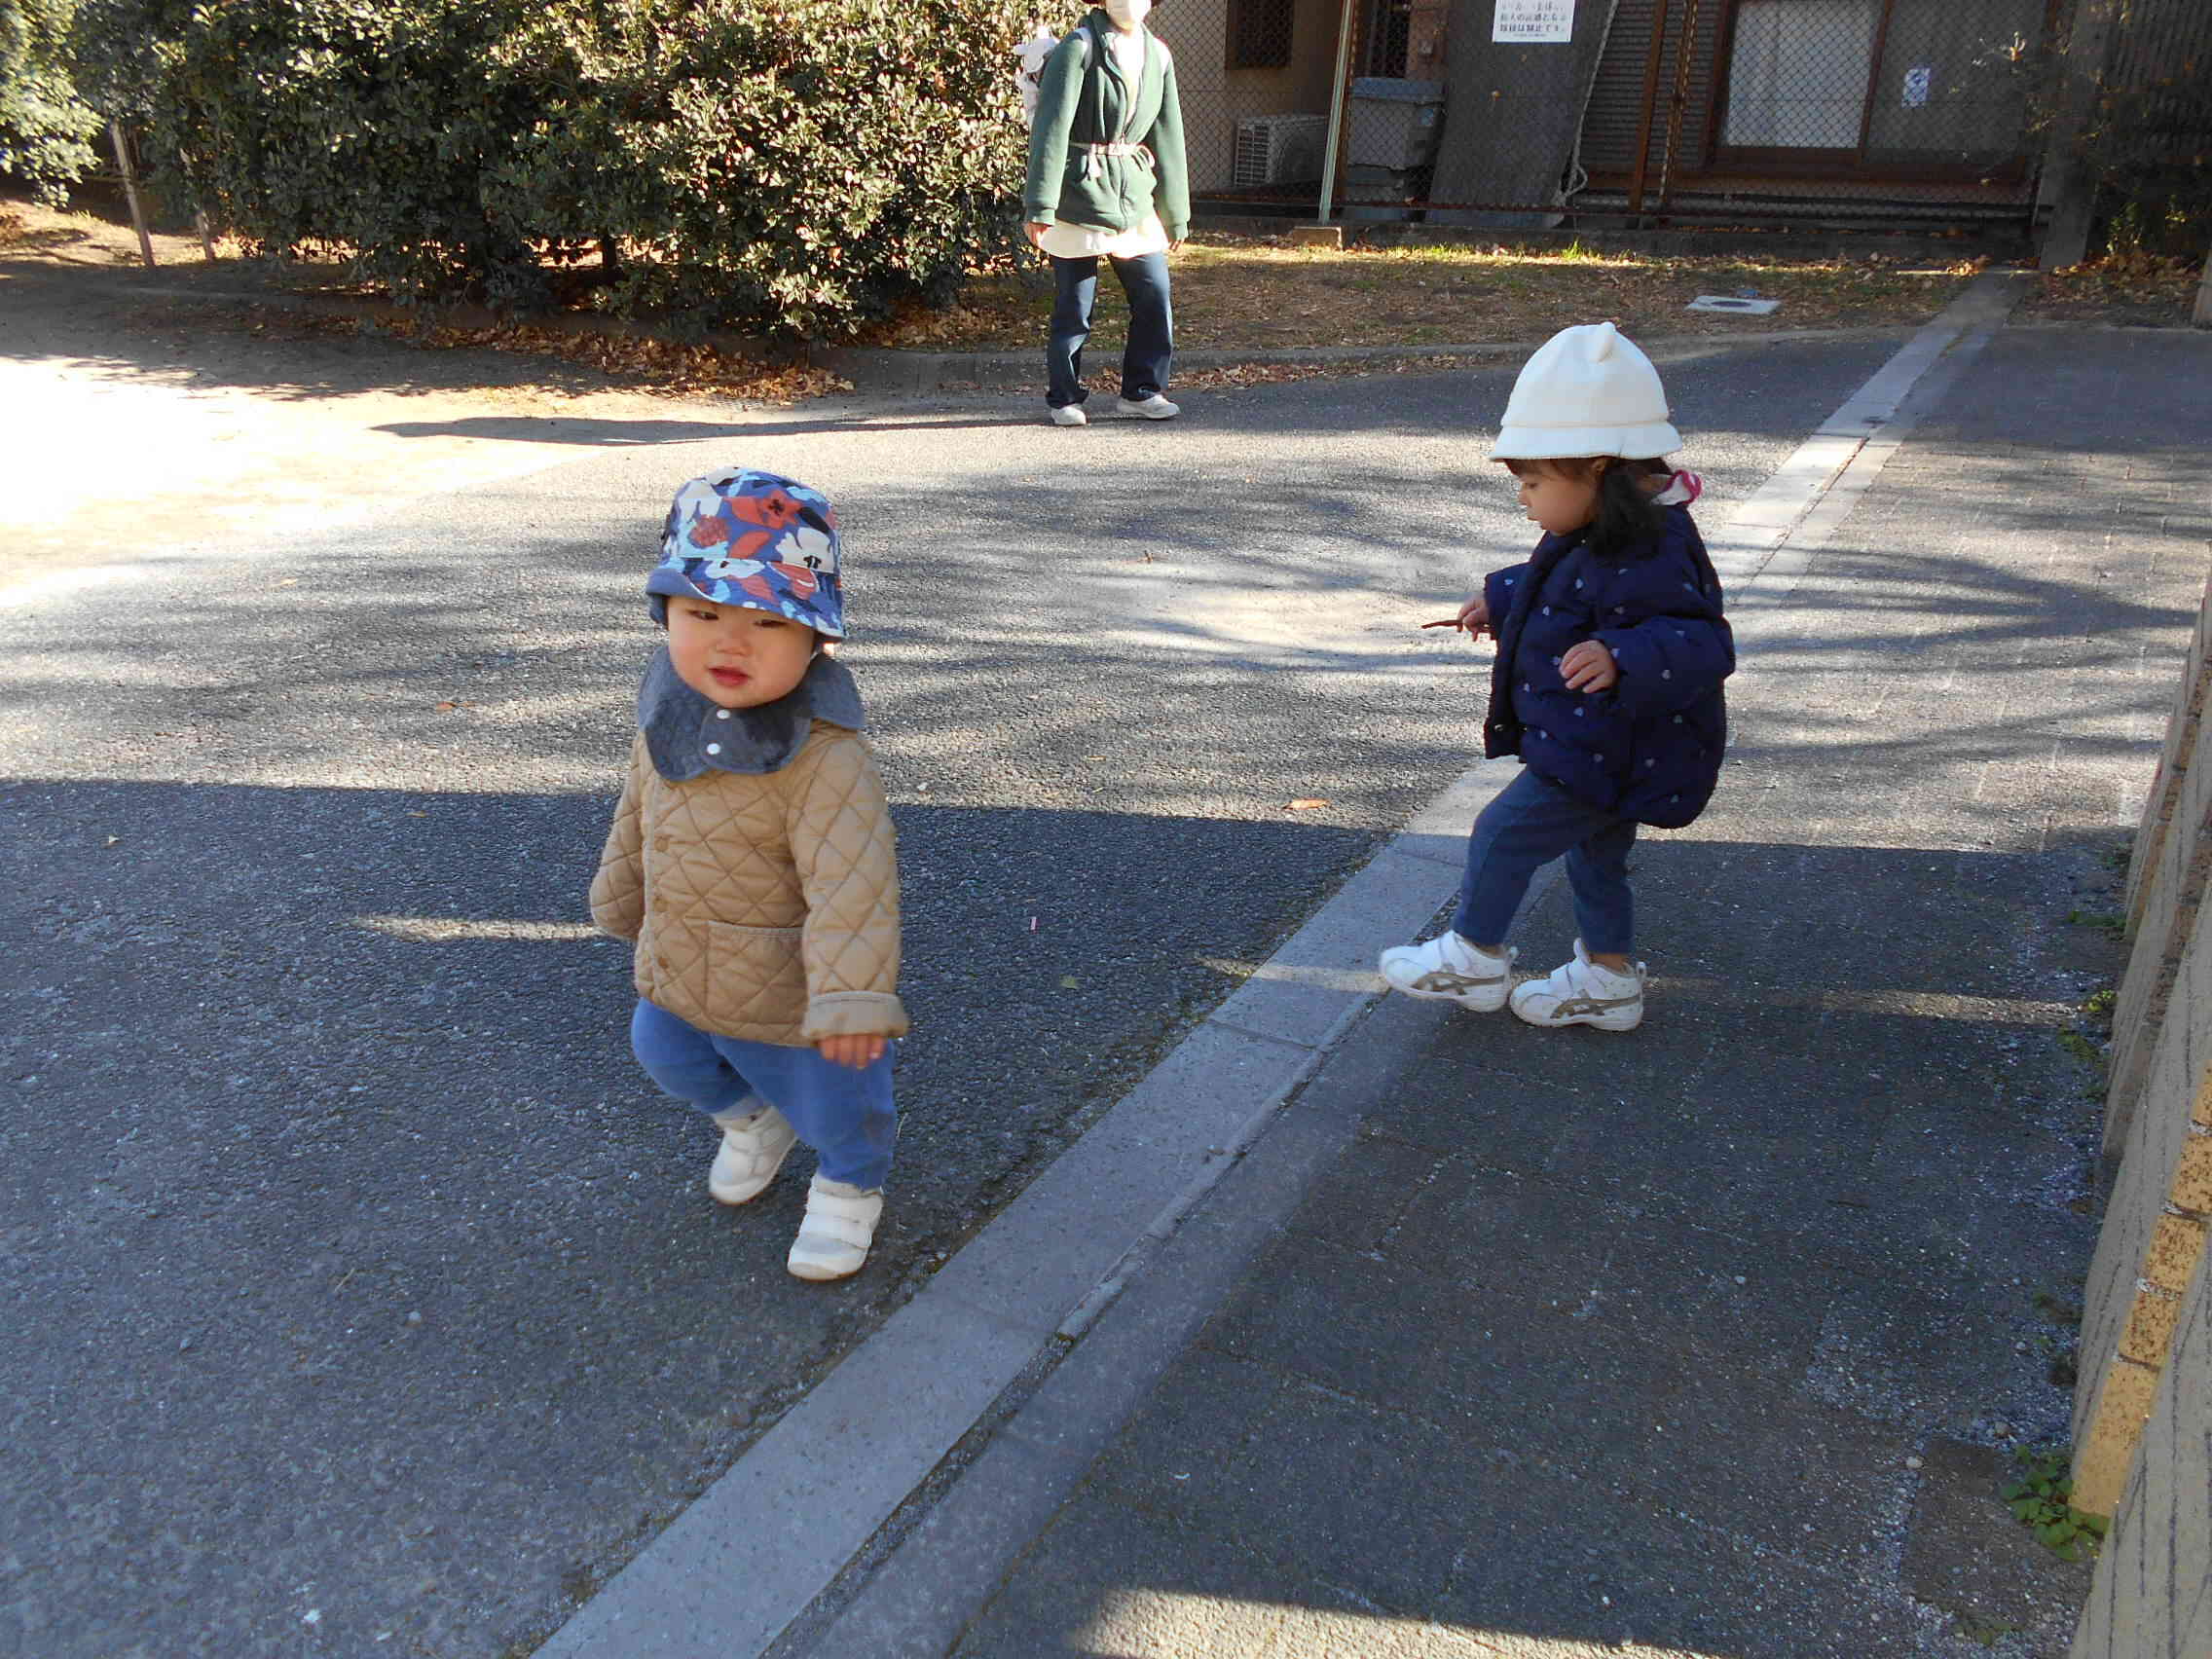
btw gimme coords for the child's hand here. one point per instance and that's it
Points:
(859, 1053)
(1473, 618)
(1588, 667)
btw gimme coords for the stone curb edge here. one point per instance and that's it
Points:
(883, 372)
(755, 1551)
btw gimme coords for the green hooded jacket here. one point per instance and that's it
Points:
(1083, 98)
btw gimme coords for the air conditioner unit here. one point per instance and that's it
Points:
(1279, 149)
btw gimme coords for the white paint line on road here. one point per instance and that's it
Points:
(753, 1554)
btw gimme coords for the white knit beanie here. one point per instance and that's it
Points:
(1588, 390)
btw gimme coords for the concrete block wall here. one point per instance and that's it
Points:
(2158, 1127)
(2152, 1590)
(2173, 761)
(2165, 887)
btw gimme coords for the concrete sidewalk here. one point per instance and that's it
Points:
(1713, 1338)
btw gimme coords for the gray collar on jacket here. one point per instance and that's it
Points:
(687, 735)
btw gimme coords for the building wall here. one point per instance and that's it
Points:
(2143, 1407)
(1969, 110)
(1215, 96)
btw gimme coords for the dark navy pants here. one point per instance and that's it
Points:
(1152, 326)
(1532, 822)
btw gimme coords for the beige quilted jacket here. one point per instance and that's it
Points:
(763, 907)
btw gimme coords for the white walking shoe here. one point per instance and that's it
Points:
(1153, 408)
(1580, 992)
(1070, 415)
(754, 1147)
(1449, 969)
(840, 1225)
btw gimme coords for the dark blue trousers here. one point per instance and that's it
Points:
(1152, 326)
(1532, 822)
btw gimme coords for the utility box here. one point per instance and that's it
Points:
(1278, 149)
(1392, 122)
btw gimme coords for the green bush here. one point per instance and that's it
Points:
(802, 168)
(366, 125)
(46, 129)
(2149, 149)
(805, 167)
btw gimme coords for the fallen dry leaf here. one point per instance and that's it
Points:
(1309, 803)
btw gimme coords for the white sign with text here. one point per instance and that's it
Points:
(1532, 23)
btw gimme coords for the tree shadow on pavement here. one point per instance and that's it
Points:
(323, 1132)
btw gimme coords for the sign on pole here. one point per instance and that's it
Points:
(1532, 23)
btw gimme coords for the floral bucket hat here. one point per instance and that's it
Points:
(754, 540)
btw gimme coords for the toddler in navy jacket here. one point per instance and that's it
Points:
(1611, 650)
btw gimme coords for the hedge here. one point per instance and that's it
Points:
(795, 166)
(46, 129)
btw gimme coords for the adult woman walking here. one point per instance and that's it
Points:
(1106, 178)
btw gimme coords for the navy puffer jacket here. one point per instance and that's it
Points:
(1649, 746)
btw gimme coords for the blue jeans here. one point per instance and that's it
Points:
(844, 1115)
(1152, 326)
(1532, 822)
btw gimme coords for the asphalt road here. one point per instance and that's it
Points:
(363, 1298)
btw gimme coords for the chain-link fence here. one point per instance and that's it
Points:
(1531, 112)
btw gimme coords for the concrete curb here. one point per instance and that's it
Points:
(754, 1554)
(887, 373)
(919, 374)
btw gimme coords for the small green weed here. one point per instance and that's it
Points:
(2098, 1005)
(1984, 1633)
(2059, 1307)
(2111, 921)
(2038, 1500)
(2081, 1048)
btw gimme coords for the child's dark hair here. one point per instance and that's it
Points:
(1627, 516)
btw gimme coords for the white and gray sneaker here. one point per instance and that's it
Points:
(754, 1145)
(1449, 969)
(1070, 415)
(1153, 408)
(1580, 992)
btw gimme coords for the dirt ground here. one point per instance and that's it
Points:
(2128, 290)
(1233, 291)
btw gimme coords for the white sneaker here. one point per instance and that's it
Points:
(840, 1224)
(1153, 408)
(754, 1147)
(1582, 994)
(1449, 969)
(1070, 415)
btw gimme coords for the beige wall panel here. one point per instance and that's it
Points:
(2105, 1444)
(2153, 1591)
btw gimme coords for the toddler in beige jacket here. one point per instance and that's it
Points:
(753, 861)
